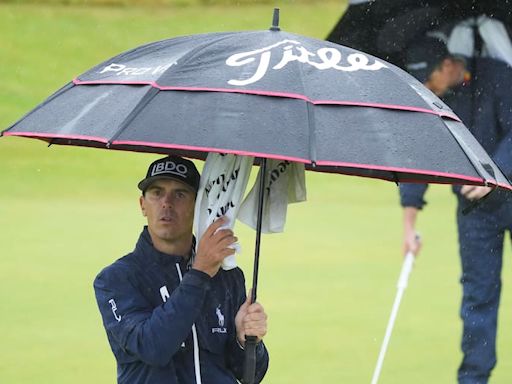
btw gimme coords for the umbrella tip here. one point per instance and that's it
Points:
(275, 21)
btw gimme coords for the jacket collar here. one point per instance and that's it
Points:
(145, 250)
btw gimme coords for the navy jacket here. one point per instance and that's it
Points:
(489, 119)
(148, 315)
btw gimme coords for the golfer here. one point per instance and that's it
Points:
(486, 106)
(431, 63)
(172, 315)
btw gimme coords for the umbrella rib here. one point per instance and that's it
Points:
(131, 116)
(312, 134)
(311, 123)
(467, 150)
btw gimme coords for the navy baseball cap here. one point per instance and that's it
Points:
(172, 167)
(424, 55)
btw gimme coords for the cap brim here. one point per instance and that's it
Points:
(146, 183)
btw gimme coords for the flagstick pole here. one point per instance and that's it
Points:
(401, 285)
(250, 341)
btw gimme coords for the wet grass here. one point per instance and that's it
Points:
(328, 282)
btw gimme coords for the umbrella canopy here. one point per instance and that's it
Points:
(266, 94)
(384, 28)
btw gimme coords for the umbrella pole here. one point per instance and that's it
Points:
(250, 341)
(263, 168)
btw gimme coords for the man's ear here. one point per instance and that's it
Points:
(142, 205)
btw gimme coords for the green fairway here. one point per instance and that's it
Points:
(328, 283)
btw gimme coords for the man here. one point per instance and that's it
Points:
(172, 315)
(431, 63)
(485, 105)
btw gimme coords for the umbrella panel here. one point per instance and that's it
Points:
(245, 124)
(398, 139)
(94, 113)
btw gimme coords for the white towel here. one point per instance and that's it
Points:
(221, 190)
(285, 183)
(497, 44)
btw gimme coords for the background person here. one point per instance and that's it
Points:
(173, 316)
(484, 104)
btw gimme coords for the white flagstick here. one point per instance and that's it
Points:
(402, 284)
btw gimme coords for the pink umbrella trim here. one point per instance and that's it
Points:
(462, 178)
(275, 94)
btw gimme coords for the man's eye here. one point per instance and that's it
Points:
(180, 195)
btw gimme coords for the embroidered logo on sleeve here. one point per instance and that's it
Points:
(164, 292)
(114, 309)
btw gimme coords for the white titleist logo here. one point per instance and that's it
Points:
(121, 69)
(169, 167)
(324, 58)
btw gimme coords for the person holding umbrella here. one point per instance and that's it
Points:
(173, 315)
(485, 105)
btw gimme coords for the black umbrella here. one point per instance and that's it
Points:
(267, 94)
(384, 28)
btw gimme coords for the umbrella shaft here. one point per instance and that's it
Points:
(263, 170)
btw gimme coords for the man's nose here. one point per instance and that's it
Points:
(168, 200)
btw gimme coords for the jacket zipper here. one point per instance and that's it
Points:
(197, 367)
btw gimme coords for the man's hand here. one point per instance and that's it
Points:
(251, 320)
(474, 192)
(214, 247)
(412, 242)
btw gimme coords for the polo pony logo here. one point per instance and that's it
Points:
(220, 316)
(324, 58)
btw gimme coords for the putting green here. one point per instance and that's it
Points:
(328, 282)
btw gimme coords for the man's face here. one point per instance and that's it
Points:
(449, 74)
(454, 72)
(169, 207)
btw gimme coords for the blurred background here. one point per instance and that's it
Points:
(328, 282)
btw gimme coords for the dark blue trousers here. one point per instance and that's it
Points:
(481, 238)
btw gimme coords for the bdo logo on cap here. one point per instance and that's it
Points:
(170, 167)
